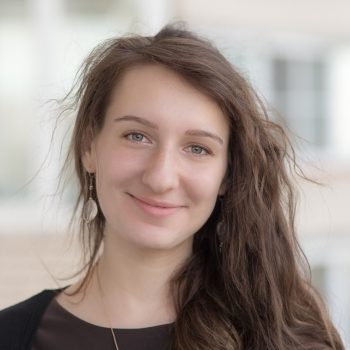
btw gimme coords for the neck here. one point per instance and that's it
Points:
(135, 283)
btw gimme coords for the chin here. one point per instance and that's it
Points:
(161, 241)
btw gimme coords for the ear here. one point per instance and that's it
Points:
(223, 187)
(89, 161)
(224, 183)
(88, 157)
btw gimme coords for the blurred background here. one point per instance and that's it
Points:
(295, 53)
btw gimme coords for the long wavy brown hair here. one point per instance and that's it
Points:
(253, 292)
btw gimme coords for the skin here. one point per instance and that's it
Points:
(134, 162)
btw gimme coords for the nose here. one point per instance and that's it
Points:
(161, 173)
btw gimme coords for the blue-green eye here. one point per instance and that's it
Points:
(135, 136)
(140, 138)
(199, 150)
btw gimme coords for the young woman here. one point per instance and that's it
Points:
(187, 213)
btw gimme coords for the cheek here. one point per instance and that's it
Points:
(205, 185)
(115, 166)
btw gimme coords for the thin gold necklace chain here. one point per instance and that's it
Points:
(114, 339)
(104, 309)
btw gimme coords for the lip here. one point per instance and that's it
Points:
(155, 208)
(156, 203)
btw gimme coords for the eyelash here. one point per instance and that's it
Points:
(208, 152)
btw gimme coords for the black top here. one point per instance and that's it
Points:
(59, 329)
(19, 322)
(27, 326)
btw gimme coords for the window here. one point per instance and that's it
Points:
(299, 94)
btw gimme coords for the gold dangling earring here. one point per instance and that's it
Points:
(90, 207)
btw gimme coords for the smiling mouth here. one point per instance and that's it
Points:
(158, 210)
(157, 204)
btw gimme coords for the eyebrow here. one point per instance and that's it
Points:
(194, 132)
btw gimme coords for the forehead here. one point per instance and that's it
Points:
(157, 93)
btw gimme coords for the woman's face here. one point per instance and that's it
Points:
(160, 159)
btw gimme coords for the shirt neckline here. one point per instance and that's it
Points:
(55, 304)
